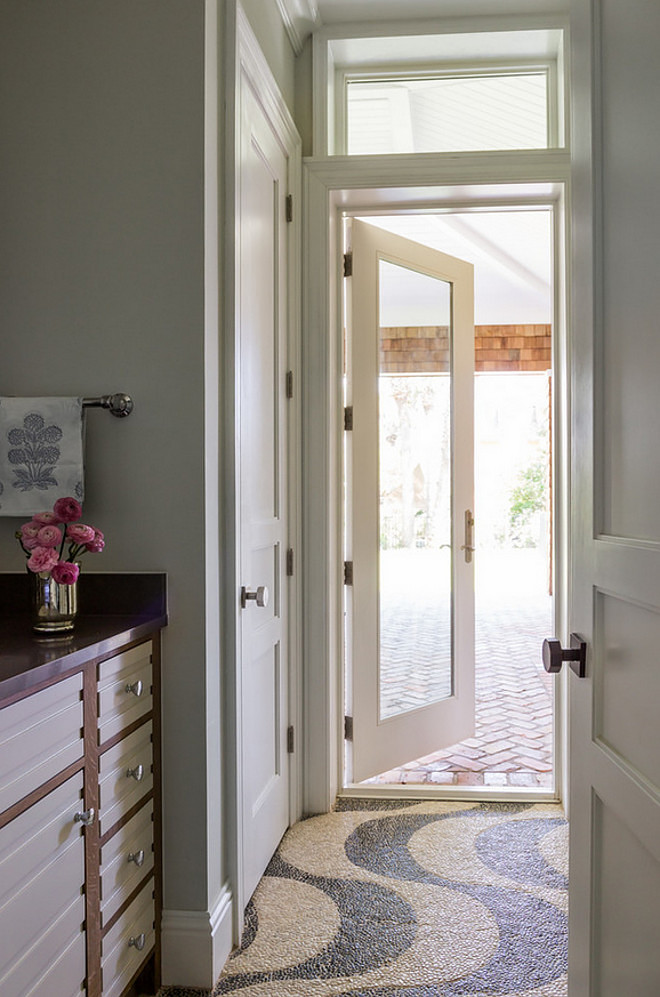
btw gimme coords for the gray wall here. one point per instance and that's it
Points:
(303, 112)
(102, 285)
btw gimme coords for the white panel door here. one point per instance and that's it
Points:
(410, 531)
(614, 925)
(262, 339)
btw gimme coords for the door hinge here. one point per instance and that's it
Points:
(289, 207)
(290, 740)
(289, 384)
(348, 418)
(348, 264)
(348, 572)
(289, 562)
(348, 728)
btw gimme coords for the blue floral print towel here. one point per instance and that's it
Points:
(41, 453)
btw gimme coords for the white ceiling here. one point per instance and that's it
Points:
(511, 251)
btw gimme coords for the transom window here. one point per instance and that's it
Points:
(466, 112)
(438, 92)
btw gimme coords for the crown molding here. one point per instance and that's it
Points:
(300, 17)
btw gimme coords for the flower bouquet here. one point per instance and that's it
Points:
(53, 542)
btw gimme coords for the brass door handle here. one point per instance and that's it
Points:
(468, 546)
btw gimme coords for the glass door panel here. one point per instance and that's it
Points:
(415, 657)
(409, 465)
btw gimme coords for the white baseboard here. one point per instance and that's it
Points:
(195, 944)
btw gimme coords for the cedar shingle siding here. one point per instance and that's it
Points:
(425, 349)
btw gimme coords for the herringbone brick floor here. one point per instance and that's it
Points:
(513, 738)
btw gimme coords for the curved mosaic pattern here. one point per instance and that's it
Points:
(428, 900)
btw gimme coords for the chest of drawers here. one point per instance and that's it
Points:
(80, 870)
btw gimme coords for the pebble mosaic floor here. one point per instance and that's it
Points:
(409, 899)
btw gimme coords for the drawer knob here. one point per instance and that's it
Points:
(85, 817)
(137, 857)
(137, 941)
(137, 773)
(136, 688)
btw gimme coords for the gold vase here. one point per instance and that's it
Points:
(54, 606)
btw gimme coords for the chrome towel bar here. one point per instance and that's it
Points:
(119, 405)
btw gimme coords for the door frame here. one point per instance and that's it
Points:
(331, 187)
(246, 65)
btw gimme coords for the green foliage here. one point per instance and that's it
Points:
(527, 497)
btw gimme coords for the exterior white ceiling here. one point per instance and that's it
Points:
(512, 253)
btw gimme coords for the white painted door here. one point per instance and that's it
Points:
(410, 528)
(263, 596)
(615, 603)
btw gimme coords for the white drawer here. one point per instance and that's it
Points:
(124, 690)
(119, 958)
(41, 903)
(39, 736)
(125, 860)
(119, 790)
(65, 959)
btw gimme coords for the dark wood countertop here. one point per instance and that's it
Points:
(116, 609)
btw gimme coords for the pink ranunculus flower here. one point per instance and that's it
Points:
(96, 545)
(67, 510)
(80, 533)
(45, 518)
(30, 534)
(49, 536)
(42, 559)
(65, 573)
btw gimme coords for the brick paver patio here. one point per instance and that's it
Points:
(513, 740)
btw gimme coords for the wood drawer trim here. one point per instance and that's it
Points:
(128, 920)
(28, 801)
(40, 686)
(127, 903)
(111, 831)
(40, 735)
(118, 876)
(116, 738)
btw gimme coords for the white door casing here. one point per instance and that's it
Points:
(267, 148)
(381, 742)
(331, 188)
(615, 599)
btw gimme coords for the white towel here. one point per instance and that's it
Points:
(41, 453)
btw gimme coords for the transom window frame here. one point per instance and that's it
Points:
(393, 73)
(361, 52)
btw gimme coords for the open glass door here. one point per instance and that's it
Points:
(409, 535)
